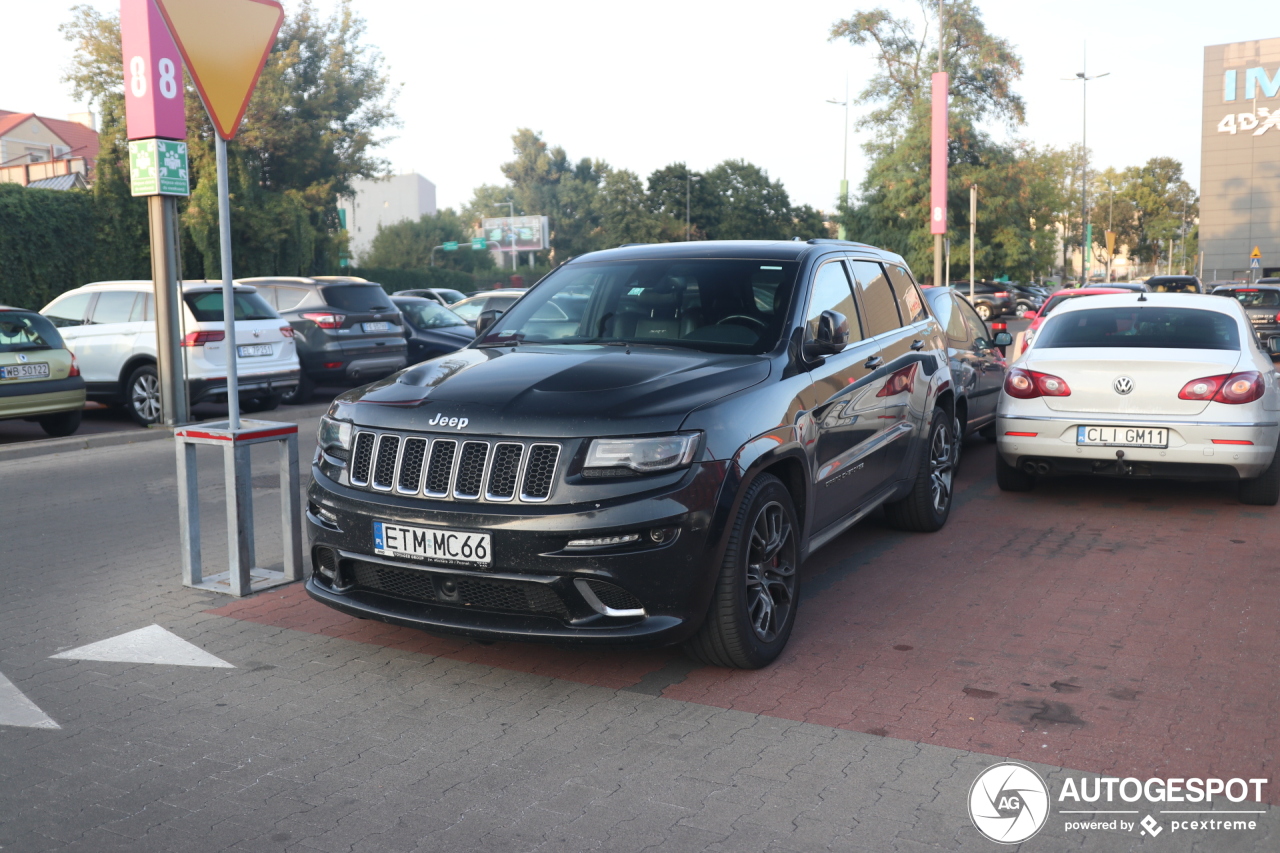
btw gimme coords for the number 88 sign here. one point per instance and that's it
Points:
(152, 74)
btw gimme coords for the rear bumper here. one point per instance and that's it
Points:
(32, 399)
(215, 390)
(1192, 453)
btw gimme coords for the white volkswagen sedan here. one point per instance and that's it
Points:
(1163, 385)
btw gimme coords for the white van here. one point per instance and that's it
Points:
(111, 328)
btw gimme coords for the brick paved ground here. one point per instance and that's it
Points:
(1115, 629)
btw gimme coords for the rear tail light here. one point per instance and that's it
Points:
(1229, 441)
(1027, 384)
(1277, 318)
(1232, 388)
(900, 381)
(326, 321)
(1001, 293)
(287, 331)
(199, 339)
(75, 368)
(332, 365)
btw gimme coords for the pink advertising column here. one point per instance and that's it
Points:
(156, 124)
(938, 163)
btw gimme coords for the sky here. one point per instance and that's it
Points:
(641, 85)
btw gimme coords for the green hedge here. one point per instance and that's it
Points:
(47, 244)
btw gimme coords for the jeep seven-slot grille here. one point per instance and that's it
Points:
(456, 469)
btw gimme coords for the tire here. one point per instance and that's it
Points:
(1023, 307)
(754, 609)
(959, 429)
(1263, 490)
(984, 311)
(1011, 479)
(260, 403)
(61, 424)
(302, 393)
(142, 395)
(928, 504)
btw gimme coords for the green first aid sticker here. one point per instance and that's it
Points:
(158, 167)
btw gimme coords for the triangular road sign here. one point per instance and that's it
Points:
(152, 644)
(1256, 253)
(17, 710)
(225, 44)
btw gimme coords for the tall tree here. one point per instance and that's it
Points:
(410, 245)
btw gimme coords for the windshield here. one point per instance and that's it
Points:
(450, 296)
(715, 305)
(1156, 327)
(359, 298)
(1172, 286)
(1255, 298)
(206, 306)
(27, 331)
(425, 314)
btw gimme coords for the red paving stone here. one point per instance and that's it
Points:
(1119, 628)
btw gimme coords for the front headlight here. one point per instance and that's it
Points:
(335, 437)
(613, 456)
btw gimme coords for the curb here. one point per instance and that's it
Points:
(48, 446)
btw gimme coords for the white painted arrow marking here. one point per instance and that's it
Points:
(17, 710)
(152, 644)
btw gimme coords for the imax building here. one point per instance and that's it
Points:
(1240, 160)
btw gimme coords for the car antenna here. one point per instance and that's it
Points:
(1142, 297)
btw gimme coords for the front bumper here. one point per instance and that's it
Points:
(1192, 453)
(536, 588)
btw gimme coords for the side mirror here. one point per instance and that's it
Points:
(1004, 339)
(486, 319)
(832, 335)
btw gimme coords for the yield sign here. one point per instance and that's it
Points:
(225, 43)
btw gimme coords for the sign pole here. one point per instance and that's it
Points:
(162, 213)
(228, 290)
(973, 224)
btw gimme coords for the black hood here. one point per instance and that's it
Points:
(553, 392)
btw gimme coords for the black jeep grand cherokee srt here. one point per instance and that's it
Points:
(651, 464)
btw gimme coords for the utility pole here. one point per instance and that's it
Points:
(937, 237)
(688, 183)
(1086, 232)
(844, 173)
(973, 227)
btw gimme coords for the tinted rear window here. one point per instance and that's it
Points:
(1256, 298)
(26, 330)
(206, 307)
(1141, 327)
(1155, 285)
(356, 297)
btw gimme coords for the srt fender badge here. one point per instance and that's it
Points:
(441, 421)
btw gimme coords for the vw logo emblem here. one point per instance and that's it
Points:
(22, 357)
(1123, 385)
(257, 334)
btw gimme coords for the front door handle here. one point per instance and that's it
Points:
(873, 362)
(917, 345)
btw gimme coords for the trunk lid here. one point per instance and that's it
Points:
(1157, 375)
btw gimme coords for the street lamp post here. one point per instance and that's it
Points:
(689, 178)
(1084, 79)
(511, 205)
(844, 172)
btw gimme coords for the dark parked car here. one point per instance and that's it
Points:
(653, 472)
(444, 295)
(346, 328)
(1135, 286)
(430, 328)
(1174, 284)
(989, 299)
(977, 365)
(1026, 298)
(489, 300)
(1262, 303)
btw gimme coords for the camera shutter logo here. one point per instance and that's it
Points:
(1123, 384)
(1008, 802)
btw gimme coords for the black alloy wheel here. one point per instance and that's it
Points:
(753, 609)
(928, 504)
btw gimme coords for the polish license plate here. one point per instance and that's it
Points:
(39, 370)
(250, 350)
(380, 326)
(437, 546)
(1121, 436)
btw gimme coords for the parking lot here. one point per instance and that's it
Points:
(1113, 628)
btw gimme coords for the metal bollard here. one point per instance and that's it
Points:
(242, 578)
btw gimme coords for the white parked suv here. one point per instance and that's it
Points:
(111, 328)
